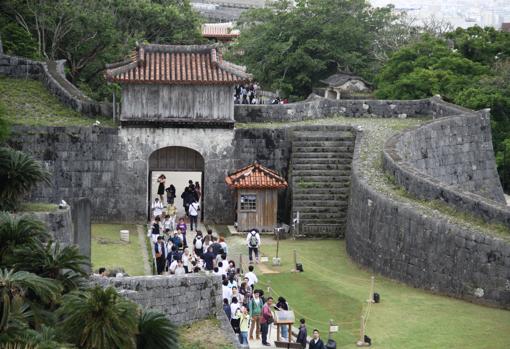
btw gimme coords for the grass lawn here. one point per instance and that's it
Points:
(28, 102)
(205, 334)
(333, 287)
(109, 252)
(38, 207)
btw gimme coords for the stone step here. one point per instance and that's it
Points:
(320, 167)
(330, 172)
(322, 161)
(314, 178)
(322, 143)
(322, 214)
(321, 191)
(339, 149)
(317, 197)
(320, 210)
(322, 155)
(298, 204)
(304, 222)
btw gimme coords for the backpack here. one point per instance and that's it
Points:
(253, 240)
(198, 243)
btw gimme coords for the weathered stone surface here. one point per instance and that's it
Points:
(59, 224)
(184, 299)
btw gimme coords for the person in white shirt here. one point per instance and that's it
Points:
(194, 207)
(173, 266)
(179, 269)
(253, 242)
(236, 294)
(186, 260)
(226, 291)
(252, 278)
(157, 208)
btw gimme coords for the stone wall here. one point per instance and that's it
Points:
(450, 159)
(397, 240)
(184, 299)
(59, 224)
(51, 75)
(319, 107)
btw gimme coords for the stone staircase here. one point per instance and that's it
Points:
(320, 178)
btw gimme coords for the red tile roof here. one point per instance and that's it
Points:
(255, 176)
(177, 65)
(219, 30)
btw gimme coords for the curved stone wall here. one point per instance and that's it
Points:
(51, 75)
(398, 240)
(450, 159)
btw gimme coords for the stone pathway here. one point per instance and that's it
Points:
(141, 240)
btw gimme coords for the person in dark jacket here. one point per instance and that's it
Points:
(302, 334)
(226, 309)
(187, 198)
(316, 342)
(170, 194)
(160, 254)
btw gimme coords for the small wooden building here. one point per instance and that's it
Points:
(257, 196)
(177, 84)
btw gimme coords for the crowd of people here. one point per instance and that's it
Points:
(250, 94)
(249, 311)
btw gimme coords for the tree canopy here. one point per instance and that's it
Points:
(290, 46)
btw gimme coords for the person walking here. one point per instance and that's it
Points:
(302, 334)
(183, 227)
(253, 242)
(198, 244)
(266, 319)
(187, 198)
(161, 187)
(170, 194)
(171, 211)
(255, 307)
(244, 321)
(194, 207)
(160, 253)
(157, 208)
(316, 342)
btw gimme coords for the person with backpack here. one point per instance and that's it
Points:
(193, 209)
(266, 319)
(253, 242)
(198, 244)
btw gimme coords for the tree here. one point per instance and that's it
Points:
(16, 291)
(19, 173)
(291, 47)
(16, 231)
(98, 318)
(156, 331)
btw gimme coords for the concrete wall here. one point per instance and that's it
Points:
(398, 241)
(184, 299)
(50, 74)
(59, 224)
(320, 107)
(160, 102)
(452, 160)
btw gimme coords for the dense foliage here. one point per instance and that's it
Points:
(91, 33)
(471, 68)
(291, 47)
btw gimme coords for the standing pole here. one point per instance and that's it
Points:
(330, 334)
(295, 260)
(362, 332)
(241, 263)
(114, 106)
(371, 294)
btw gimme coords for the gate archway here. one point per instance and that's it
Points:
(178, 164)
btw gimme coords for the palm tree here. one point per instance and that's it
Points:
(17, 231)
(65, 264)
(19, 173)
(17, 290)
(156, 331)
(98, 318)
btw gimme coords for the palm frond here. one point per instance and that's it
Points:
(19, 173)
(155, 330)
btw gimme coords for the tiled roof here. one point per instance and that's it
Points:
(177, 65)
(219, 30)
(255, 176)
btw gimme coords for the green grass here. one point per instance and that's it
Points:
(38, 207)
(109, 252)
(333, 287)
(28, 102)
(204, 334)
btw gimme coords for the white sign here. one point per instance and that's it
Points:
(333, 328)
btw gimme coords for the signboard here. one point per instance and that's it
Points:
(284, 316)
(333, 329)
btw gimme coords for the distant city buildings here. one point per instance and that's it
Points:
(459, 13)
